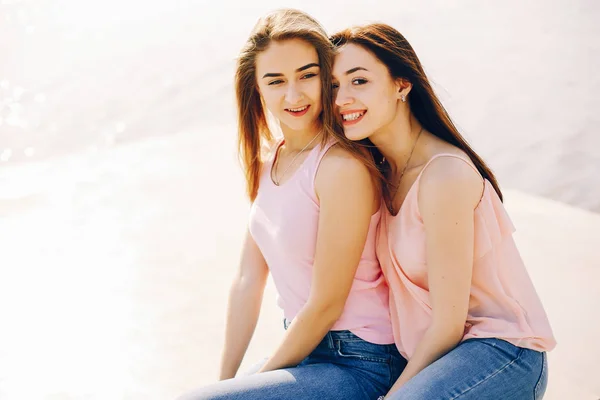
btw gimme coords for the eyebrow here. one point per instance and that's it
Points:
(274, 74)
(352, 70)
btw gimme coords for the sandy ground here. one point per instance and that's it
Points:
(114, 274)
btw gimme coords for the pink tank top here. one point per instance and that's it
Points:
(284, 222)
(503, 302)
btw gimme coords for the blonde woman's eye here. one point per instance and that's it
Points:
(276, 82)
(359, 81)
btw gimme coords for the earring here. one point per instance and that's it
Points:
(403, 98)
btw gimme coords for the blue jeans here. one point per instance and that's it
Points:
(481, 369)
(343, 366)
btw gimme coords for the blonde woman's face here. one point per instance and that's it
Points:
(288, 76)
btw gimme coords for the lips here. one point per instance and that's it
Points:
(298, 111)
(352, 117)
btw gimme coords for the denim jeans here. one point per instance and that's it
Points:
(343, 366)
(481, 369)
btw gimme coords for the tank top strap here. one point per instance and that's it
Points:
(460, 157)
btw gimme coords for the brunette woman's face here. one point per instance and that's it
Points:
(366, 95)
(288, 76)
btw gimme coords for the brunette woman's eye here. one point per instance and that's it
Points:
(275, 82)
(359, 81)
(309, 75)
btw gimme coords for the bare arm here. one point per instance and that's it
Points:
(347, 201)
(449, 192)
(245, 299)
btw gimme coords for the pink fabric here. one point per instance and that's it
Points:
(503, 302)
(284, 222)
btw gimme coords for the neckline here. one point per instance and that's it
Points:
(410, 189)
(276, 156)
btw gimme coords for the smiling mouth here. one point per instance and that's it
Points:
(298, 112)
(353, 117)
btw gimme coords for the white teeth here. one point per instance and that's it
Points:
(298, 109)
(353, 116)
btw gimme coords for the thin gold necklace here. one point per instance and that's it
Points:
(393, 195)
(277, 181)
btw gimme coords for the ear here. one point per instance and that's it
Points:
(403, 88)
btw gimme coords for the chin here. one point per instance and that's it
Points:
(355, 135)
(300, 126)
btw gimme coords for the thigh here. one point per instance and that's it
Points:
(313, 381)
(479, 369)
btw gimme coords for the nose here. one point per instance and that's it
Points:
(293, 95)
(342, 97)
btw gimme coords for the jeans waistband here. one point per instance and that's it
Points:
(345, 335)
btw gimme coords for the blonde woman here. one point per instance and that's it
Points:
(313, 221)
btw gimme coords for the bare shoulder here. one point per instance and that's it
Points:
(338, 163)
(451, 182)
(343, 172)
